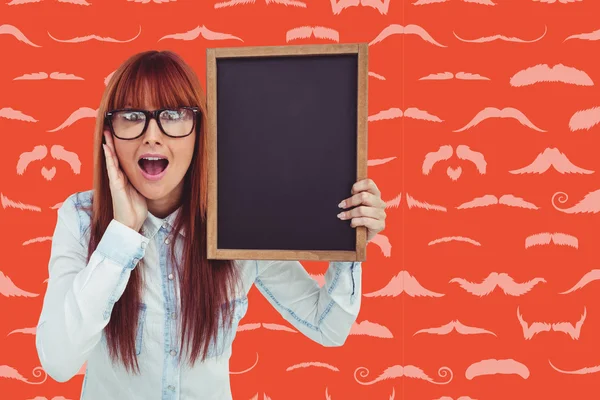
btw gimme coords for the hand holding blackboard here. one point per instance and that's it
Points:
(287, 138)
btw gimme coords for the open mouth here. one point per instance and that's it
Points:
(153, 166)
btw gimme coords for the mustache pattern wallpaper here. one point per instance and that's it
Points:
(483, 137)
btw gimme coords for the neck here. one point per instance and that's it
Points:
(166, 205)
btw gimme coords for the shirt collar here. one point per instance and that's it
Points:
(152, 224)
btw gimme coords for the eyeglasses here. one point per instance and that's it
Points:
(131, 123)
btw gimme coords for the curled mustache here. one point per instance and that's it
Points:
(7, 29)
(502, 280)
(448, 239)
(545, 238)
(490, 199)
(10, 113)
(492, 112)
(454, 325)
(551, 157)
(397, 29)
(582, 371)
(272, 327)
(11, 373)
(26, 331)
(536, 327)
(493, 367)
(6, 202)
(403, 282)
(39, 153)
(589, 204)
(409, 371)
(585, 119)
(593, 275)
(305, 32)
(487, 39)
(585, 36)
(558, 73)
(95, 37)
(312, 364)
(410, 112)
(443, 76)
(200, 30)
(80, 113)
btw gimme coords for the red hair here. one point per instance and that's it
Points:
(165, 80)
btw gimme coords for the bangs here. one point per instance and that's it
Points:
(156, 81)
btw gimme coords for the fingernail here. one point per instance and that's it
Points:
(342, 204)
(340, 215)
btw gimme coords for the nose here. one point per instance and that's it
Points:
(153, 133)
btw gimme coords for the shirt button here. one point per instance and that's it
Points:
(173, 315)
(167, 240)
(173, 352)
(171, 387)
(165, 224)
(171, 277)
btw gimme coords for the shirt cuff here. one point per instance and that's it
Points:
(122, 244)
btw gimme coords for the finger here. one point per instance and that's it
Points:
(365, 198)
(370, 223)
(366, 185)
(110, 166)
(111, 144)
(363, 211)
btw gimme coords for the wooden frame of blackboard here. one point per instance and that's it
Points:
(212, 56)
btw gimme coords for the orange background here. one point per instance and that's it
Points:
(401, 59)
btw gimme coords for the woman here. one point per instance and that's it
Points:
(130, 288)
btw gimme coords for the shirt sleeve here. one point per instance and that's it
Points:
(324, 314)
(80, 296)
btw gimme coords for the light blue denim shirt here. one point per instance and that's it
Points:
(81, 295)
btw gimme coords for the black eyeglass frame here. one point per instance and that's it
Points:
(149, 115)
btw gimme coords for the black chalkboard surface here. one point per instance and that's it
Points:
(287, 139)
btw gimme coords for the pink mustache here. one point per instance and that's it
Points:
(8, 288)
(36, 76)
(489, 199)
(403, 282)
(585, 119)
(380, 5)
(551, 157)
(411, 112)
(593, 275)
(272, 327)
(545, 238)
(396, 29)
(444, 76)
(492, 112)
(232, 3)
(37, 240)
(82, 112)
(409, 371)
(312, 364)
(558, 73)
(448, 239)
(411, 202)
(585, 36)
(494, 279)
(26, 331)
(45, 398)
(582, 371)
(445, 152)
(530, 330)
(197, 31)
(40, 152)
(80, 39)
(6, 202)
(11, 373)
(76, 2)
(10, 113)
(305, 32)
(487, 39)
(247, 369)
(7, 29)
(454, 325)
(482, 2)
(493, 367)
(589, 204)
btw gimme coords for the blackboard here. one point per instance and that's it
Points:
(287, 138)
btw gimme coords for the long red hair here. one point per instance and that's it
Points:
(164, 79)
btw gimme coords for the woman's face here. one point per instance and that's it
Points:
(165, 188)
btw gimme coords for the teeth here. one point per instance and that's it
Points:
(152, 158)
